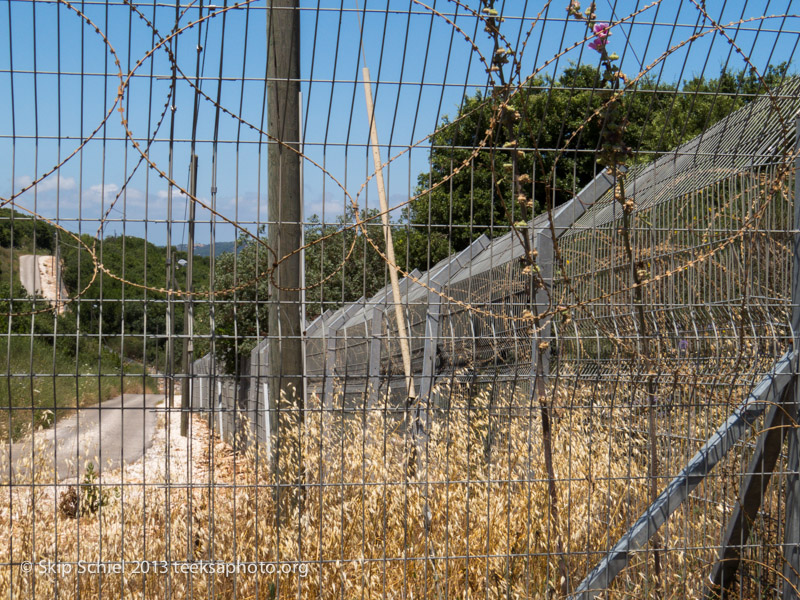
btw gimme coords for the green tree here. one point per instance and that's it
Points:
(341, 264)
(24, 232)
(557, 138)
(239, 305)
(127, 309)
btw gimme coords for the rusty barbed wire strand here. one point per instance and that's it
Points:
(360, 222)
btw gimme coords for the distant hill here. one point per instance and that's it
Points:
(205, 249)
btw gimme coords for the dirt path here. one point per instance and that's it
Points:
(107, 435)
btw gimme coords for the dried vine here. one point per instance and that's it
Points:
(614, 154)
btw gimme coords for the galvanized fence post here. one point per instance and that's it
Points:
(792, 525)
(563, 218)
(374, 367)
(432, 331)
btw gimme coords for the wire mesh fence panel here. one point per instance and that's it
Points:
(457, 299)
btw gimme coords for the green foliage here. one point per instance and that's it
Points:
(22, 231)
(114, 309)
(139, 262)
(61, 371)
(107, 308)
(345, 266)
(555, 119)
(341, 266)
(76, 358)
(90, 500)
(240, 316)
(94, 497)
(15, 299)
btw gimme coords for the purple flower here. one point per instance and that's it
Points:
(598, 44)
(601, 33)
(601, 30)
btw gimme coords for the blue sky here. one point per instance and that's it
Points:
(58, 80)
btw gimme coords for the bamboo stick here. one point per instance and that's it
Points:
(387, 234)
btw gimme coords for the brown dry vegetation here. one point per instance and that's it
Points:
(473, 521)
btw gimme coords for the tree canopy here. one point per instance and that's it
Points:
(341, 266)
(557, 137)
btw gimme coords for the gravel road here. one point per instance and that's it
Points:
(105, 434)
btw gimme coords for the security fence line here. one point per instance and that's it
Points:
(353, 358)
(587, 386)
(353, 347)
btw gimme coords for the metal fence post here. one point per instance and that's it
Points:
(767, 393)
(438, 280)
(432, 331)
(751, 496)
(543, 243)
(188, 315)
(563, 218)
(792, 531)
(331, 332)
(330, 360)
(374, 369)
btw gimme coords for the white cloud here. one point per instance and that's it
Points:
(109, 189)
(316, 205)
(22, 181)
(48, 184)
(133, 193)
(175, 194)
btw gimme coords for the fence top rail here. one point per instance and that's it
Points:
(447, 269)
(747, 139)
(507, 247)
(318, 322)
(361, 312)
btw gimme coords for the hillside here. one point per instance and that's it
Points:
(103, 343)
(205, 249)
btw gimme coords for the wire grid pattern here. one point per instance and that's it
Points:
(547, 414)
(713, 236)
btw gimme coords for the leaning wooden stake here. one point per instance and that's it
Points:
(412, 424)
(387, 233)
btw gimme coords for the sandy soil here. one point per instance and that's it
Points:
(41, 277)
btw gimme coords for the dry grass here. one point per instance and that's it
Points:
(473, 522)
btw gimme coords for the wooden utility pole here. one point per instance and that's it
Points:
(285, 234)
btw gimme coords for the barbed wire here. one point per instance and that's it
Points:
(360, 219)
